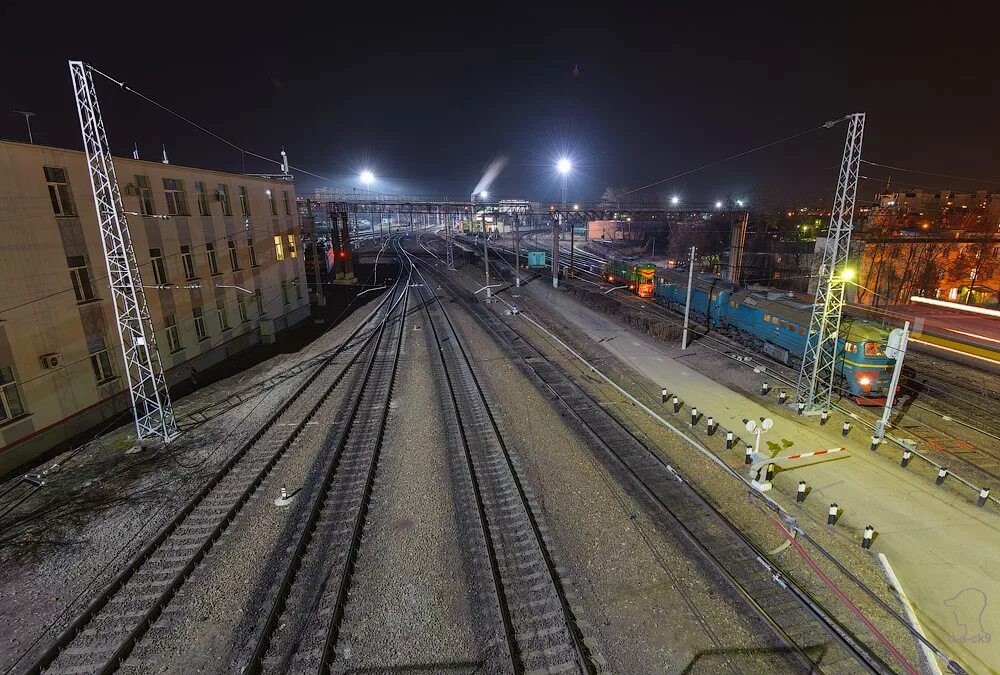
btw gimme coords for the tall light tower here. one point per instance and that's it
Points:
(564, 166)
(367, 178)
(815, 385)
(154, 416)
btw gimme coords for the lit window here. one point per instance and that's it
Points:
(80, 276)
(774, 320)
(784, 324)
(199, 191)
(873, 349)
(767, 318)
(227, 206)
(146, 207)
(159, 269)
(187, 260)
(176, 199)
(802, 330)
(173, 336)
(850, 348)
(220, 307)
(58, 184)
(279, 252)
(213, 259)
(291, 246)
(244, 200)
(253, 253)
(199, 323)
(234, 256)
(284, 198)
(10, 397)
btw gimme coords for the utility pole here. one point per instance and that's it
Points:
(517, 250)
(895, 349)
(486, 256)
(449, 255)
(687, 303)
(819, 360)
(154, 416)
(556, 227)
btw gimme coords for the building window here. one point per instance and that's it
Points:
(199, 191)
(187, 260)
(10, 397)
(173, 336)
(213, 259)
(227, 206)
(284, 199)
(259, 299)
(234, 256)
(176, 199)
(284, 292)
(199, 323)
(241, 302)
(62, 199)
(291, 246)
(80, 275)
(220, 307)
(298, 289)
(279, 252)
(767, 318)
(159, 268)
(253, 253)
(100, 361)
(145, 196)
(271, 203)
(244, 201)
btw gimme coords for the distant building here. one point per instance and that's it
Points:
(218, 255)
(936, 206)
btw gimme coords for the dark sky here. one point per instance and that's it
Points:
(427, 97)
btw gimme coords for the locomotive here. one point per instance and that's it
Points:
(769, 322)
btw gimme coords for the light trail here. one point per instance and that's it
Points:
(953, 305)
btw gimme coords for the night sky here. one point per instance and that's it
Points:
(427, 98)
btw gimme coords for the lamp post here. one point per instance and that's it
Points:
(564, 166)
(367, 177)
(27, 119)
(486, 241)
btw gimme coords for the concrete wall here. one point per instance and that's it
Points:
(40, 312)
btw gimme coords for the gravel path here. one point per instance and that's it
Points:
(410, 601)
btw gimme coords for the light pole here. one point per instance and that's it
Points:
(564, 166)
(367, 177)
(486, 241)
(687, 304)
(27, 120)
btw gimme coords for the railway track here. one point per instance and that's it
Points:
(105, 633)
(540, 627)
(307, 601)
(802, 630)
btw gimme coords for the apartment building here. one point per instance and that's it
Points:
(219, 257)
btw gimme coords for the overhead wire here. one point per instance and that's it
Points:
(931, 173)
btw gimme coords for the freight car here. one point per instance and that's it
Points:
(773, 324)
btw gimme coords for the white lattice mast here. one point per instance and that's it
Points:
(154, 417)
(819, 360)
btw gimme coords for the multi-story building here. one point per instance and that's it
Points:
(218, 256)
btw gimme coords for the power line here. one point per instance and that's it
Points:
(826, 125)
(932, 173)
(214, 135)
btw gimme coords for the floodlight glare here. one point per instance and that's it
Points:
(564, 166)
(675, 200)
(367, 177)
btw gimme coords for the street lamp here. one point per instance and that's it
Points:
(739, 202)
(564, 166)
(675, 200)
(367, 177)
(484, 194)
(718, 205)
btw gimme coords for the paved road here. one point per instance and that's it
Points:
(943, 549)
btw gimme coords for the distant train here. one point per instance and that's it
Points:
(769, 322)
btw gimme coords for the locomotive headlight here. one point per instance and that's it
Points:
(864, 381)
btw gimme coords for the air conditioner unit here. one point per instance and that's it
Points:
(51, 361)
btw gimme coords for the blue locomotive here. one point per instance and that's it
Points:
(776, 325)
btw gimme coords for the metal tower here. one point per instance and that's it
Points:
(154, 417)
(815, 385)
(448, 253)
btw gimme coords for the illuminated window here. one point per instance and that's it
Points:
(58, 184)
(774, 320)
(784, 324)
(767, 318)
(80, 276)
(850, 348)
(714, 296)
(176, 199)
(146, 207)
(227, 206)
(10, 397)
(279, 252)
(802, 330)
(791, 327)
(873, 349)
(291, 246)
